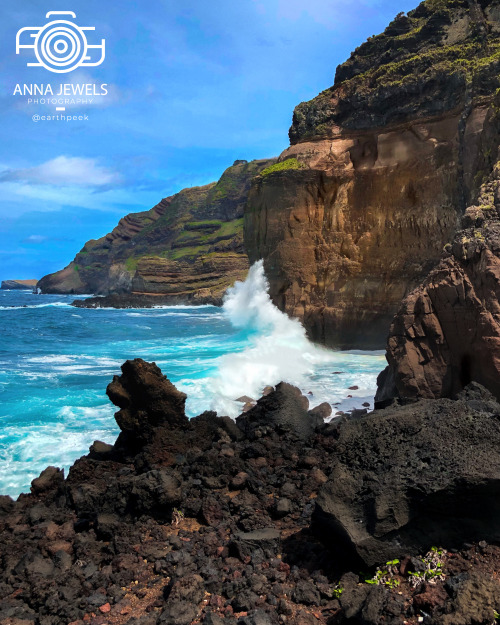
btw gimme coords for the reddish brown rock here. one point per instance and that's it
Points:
(380, 167)
(447, 332)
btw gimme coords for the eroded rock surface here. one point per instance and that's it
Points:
(382, 165)
(447, 332)
(406, 478)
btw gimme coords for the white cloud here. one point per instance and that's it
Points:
(19, 198)
(65, 171)
(35, 239)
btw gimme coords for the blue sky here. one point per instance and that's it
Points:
(193, 85)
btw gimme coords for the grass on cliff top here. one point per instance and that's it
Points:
(466, 58)
(210, 230)
(289, 163)
(131, 264)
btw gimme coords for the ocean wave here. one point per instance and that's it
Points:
(277, 350)
(31, 448)
(28, 306)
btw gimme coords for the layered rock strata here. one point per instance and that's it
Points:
(381, 167)
(187, 249)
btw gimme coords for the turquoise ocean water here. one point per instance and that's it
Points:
(56, 360)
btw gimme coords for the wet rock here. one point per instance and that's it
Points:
(285, 410)
(323, 411)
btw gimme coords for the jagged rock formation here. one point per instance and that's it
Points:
(447, 332)
(188, 248)
(18, 285)
(406, 478)
(381, 167)
(208, 520)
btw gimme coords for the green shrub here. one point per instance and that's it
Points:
(289, 163)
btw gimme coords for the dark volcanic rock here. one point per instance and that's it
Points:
(284, 409)
(406, 478)
(147, 399)
(202, 523)
(447, 332)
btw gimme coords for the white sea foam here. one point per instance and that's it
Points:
(30, 449)
(278, 350)
(28, 306)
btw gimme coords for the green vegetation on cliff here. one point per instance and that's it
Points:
(427, 63)
(289, 163)
(196, 222)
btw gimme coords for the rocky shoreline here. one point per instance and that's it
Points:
(136, 300)
(265, 520)
(18, 285)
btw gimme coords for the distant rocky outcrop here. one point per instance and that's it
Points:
(187, 249)
(447, 332)
(18, 285)
(381, 167)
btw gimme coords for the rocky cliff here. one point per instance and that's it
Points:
(18, 285)
(446, 333)
(381, 167)
(188, 248)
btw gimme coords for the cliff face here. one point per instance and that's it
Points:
(447, 332)
(188, 248)
(381, 166)
(18, 285)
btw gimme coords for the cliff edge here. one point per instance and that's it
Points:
(446, 333)
(18, 285)
(381, 167)
(188, 248)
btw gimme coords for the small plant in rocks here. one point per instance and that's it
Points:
(177, 516)
(386, 575)
(433, 563)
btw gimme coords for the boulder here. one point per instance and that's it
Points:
(147, 400)
(50, 478)
(407, 478)
(285, 410)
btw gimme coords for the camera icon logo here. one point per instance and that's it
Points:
(60, 46)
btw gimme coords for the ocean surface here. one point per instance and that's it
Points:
(56, 361)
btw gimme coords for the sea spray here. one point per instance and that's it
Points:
(278, 349)
(55, 366)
